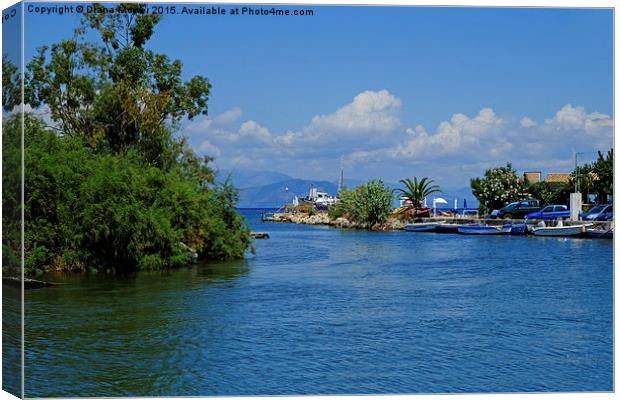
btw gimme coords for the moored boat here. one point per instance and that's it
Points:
(315, 199)
(519, 229)
(560, 230)
(447, 228)
(600, 233)
(484, 229)
(422, 227)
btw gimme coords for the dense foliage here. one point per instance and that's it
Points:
(367, 205)
(597, 177)
(550, 192)
(11, 197)
(499, 186)
(107, 185)
(115, 93)
(86, 210)
(415, 191)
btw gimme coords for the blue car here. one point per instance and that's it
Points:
(601, 212)
(550, 212)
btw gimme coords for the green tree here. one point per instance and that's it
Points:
(368, 204)
(550, 193)
(603, 167)
(596, 177)
(116, 93)
(498, 187)
(11, 196)
(415, 191)
(11, 87)
(87, 210)
(109, 187)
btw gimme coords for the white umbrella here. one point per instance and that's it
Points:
(438, 200)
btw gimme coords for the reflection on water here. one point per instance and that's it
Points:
(319, 310)
(11, 339)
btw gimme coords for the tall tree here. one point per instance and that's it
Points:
(115, 93)
(11, 84)
(597, 177)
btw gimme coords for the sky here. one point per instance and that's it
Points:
(391, 92)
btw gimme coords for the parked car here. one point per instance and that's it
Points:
(601, 212)
(550, 212)
(519, 209)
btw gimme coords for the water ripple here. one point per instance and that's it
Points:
(318, 310)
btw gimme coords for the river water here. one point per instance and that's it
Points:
(319, 310)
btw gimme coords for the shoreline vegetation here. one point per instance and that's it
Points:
(108, 187)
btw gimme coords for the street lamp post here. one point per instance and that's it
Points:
(575, 198)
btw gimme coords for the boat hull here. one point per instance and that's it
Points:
(562, 231)
(447, 228)
(600, 233)
(518, 229)
(422, 227)
(484, 230)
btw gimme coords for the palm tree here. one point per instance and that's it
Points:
(415, 191)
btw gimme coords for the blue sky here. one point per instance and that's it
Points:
(392, 91)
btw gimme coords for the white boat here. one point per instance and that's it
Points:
(600, 233)
(560, 230)
(316, 199)
(484, 229)
(423, 227)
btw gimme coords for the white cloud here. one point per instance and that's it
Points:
(369, 111)
(43, 112)
(527, 122)
(227, 117)
(373, 141)
(487, 139)
(220, 121)
(577, 119)
(370, 116)
(459, 134)
(208, 148)
(251, 132)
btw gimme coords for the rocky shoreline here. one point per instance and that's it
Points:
(391, 224)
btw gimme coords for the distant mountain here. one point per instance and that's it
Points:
(244, 178)
(267, 189)
(280, 193)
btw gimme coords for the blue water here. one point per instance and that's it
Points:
(319, 310)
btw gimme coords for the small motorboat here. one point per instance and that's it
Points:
(519, 229)
(422, 227)
(484, 230)
(560, 230)
(447, 228)
(600, 233)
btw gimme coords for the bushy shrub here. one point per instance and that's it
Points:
(550, 192)
(367, 204)
(86, 210)
(498, 187)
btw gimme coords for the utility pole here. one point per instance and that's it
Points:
(575, 160)
(575, 197)
(341, 181)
